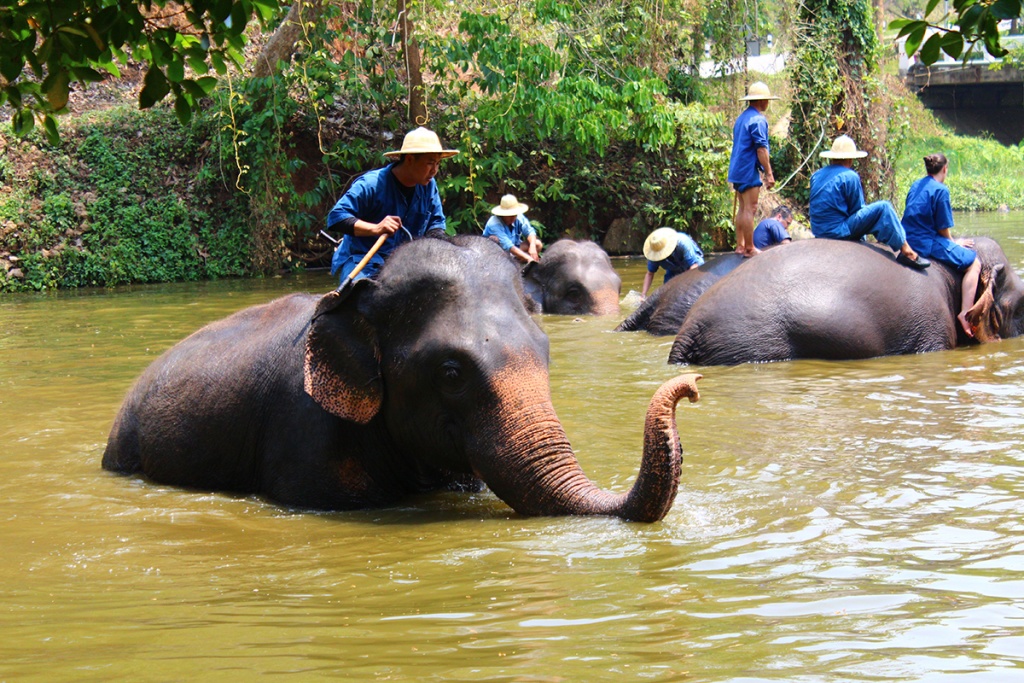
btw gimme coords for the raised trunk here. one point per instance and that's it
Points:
(534, 470)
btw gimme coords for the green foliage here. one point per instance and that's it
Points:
(977, 22)
(837, 89)
(119, 200)
(47, 46)
(983, 174)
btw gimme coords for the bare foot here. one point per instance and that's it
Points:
(753, 251)
(965, 324)
(739, 250)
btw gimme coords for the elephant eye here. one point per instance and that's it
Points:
(451, 376)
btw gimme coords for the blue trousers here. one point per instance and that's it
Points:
(878, 219)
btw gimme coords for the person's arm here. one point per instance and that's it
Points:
(648, 279)
(521, 255)
(535, 246)
(766, 163)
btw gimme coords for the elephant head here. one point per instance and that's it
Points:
(574, 278)
(998, 311)
(441, 357)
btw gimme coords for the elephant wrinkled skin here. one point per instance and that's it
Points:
(433, 376)
(838, 300)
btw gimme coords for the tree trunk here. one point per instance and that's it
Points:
(281, 45)
(411, 51)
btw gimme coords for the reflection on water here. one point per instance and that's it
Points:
(836, 521)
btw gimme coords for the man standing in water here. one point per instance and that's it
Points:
(399, 200)
(750, 158)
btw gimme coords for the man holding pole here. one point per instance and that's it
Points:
(749, 158)
(388, 206)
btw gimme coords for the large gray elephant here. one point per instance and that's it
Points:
(839, 300)
(663, 311)
(573, 278)
(433, 376)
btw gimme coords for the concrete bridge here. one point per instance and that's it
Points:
(972, 97)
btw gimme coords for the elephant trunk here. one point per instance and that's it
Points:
(531, 465)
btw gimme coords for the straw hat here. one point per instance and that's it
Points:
(758, 91)
(422, 141)
(844, 148)
(509, 206)
(660, 244)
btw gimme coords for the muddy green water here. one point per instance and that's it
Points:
(857, 521)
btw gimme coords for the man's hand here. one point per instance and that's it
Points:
(389, 225)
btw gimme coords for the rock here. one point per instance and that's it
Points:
(16, 274)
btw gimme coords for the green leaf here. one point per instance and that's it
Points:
(23, 122)
(930, 50)
(182, 109)
(953, 44)
(1006, 9)
(56, 88)
(932, 4)
(50, 125)
(176, 70)
(914, 40)
(155, 87)
(207, 83)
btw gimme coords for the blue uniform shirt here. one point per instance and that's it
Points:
(928, 211)
(685, 256)
(373, 196)
(509, 236)
(748, 134)
(768, 232)
(836, 194)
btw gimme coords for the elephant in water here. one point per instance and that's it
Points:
(838, 300)
(663, 311)
(433, 376)
(573, 278)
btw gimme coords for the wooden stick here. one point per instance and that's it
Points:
(365, 259)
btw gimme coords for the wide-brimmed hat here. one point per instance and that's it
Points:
(758, 91)
(509, 206)
(422, 141)
(844, 148)
(660, 244)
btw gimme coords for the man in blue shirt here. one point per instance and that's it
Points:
(399, 200)
(676, 252)
(510, 228)
(837, 210)
(927, 219)
(773, 230)
(749, 158)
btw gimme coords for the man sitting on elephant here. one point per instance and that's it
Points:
(837, 209)
(676, 252)
(927, 219)
(511, 229)
(400, 200)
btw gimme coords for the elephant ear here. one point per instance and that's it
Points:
(533, 288)
(342, 367)
(982, 315)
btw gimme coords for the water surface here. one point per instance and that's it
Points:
(854, 521)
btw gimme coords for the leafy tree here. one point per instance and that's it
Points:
(46, 45)
(976, 21)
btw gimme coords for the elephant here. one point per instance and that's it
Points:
(841, 300)
(663, 311)
(433, 376)
(573, 278)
